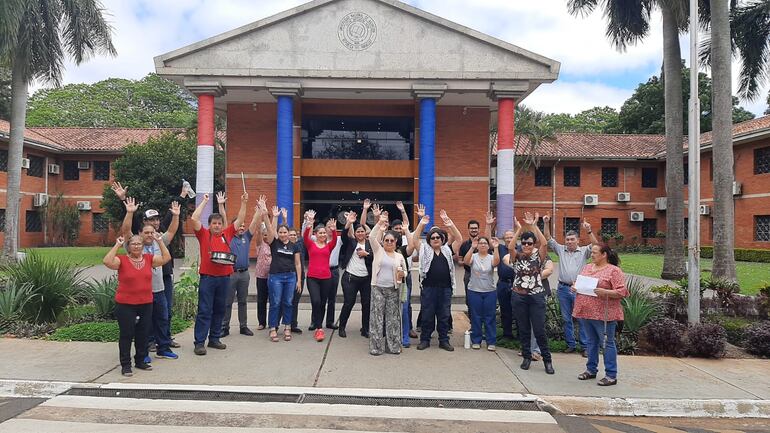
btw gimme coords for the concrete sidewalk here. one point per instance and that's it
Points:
(345, 363)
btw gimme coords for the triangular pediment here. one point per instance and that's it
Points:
(357, 39)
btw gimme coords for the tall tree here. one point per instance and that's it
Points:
(750, 23)
(628, 22)
(598, 120)
(5, 92)
(36, 36)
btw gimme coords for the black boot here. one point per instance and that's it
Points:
(525, 363)
(342, 332)
(549, 367)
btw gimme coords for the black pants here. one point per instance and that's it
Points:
(504, 293)
(319, 289)
(262, 301)
(351, 286)
(530, 317)
(295, 300)
(133, 330)
(331, 297)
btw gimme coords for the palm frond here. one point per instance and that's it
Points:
(581, 8)
(85, 31)
(628, 21)
(751, 30)
(11, 12)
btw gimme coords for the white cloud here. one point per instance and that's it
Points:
(574, 97)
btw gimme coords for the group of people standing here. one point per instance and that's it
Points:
(375, 263)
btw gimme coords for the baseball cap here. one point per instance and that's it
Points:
(150, 214)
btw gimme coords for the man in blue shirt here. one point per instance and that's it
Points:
(239, 279)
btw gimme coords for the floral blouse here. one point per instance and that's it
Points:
(593, 307)
(527, 272)
(264, 258)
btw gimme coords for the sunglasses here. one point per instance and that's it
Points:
(389, 241)
(528, 243)
(435, 237)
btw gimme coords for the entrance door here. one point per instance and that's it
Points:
(328, 204)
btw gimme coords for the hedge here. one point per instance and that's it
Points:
(104, 331)
(741, 254)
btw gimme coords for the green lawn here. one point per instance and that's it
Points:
(751, 275)
(83, 256)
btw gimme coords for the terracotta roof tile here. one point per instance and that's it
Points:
(593, 146)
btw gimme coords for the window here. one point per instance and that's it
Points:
(571, 176)
(609, 177)
(71, 171)
(686, 168)
(2, 220)
(36, 166)
(762, 228)
(686, 228)
(543, 176)
(649, 228)
(101, 224)
(357, 137)
(572, 225)
(101, 170)
(762, 160)
(609, 226)
(3, 160)
(541, 224)
(649, 177)
(34, 223)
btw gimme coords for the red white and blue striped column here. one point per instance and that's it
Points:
(505, 164)
(204, 179)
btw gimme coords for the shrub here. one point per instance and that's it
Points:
(665, 336)
(626, 343)
(13, 299)
(724, 290)
(78, 314)
(63, 221)
(639, 307)
(186, 294)
(763, 302)
(735, 328)
(706, 340)
(53, 285)
(102, 293)
(758, 338)
(104, 331)
(30, 330)
(554, 329)
(741, 254)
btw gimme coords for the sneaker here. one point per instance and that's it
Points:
(491, 348)
(199, 349)
(174, 344)
(475, 346)
(570, 350)
(319, 335)
(152, 347)
(446, 346)
(144, 366)
(126, 371)
(332, 326)
(217, 345)
(166, 354)
(423, 345)
(147, 359)
(246, 331)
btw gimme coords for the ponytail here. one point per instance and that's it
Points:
(612, 256)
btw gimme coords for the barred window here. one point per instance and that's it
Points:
(686, 168)
(571, 225)
(34, 223)
(101, 170)
(3, 160)
(649, 177)
(101, 223)
(609, 226)
(686, 228)
(36, 166)
(649, 228)
(762, 160)
(571, 176)
(762, 228)
(543, 176)
(2, 220)
(71, 171)
(609, 177)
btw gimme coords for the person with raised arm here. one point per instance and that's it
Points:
(404, 246)
(437, 276)
(262, 268)
(481, 290)
(214, 242)
(356, 258)
(319, 276)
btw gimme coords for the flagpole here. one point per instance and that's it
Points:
(693, 158)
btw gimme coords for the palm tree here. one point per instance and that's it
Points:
(628, 22)
(35, 37)
(751, 35)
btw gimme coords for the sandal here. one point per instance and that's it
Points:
(606, 381)
(260, 327)
(586, 375)
(536, 356)
(287, 334)
(274, 335)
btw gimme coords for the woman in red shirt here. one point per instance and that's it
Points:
(599, 314)
(133, 298)
(319, 276)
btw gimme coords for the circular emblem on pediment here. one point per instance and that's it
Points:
(357, 31)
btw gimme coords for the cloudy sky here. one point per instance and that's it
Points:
(592, 72)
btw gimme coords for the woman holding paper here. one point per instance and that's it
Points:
(600, 287)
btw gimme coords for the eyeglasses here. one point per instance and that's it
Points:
(134, 244)
(389, 241)
(528, 243)
(435, 237)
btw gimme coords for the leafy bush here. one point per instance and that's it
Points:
(77, 314)
(53, 285)
(13, 299)
(724, 290)
(104, 331)
(758, 338)
(741, 254)
(30, 330)
(186, 294)
(639, 307)
(554, 329)
(102, 293)
(706, 340)
(763, 302)
(735, 328)
(62, 220)
(665, 336)
(626, 343)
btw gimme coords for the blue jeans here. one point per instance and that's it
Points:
(504, 292)
(595, 331)
(406, 313)
(212, 300)
(161, 328)
(168, 291)
(483, 306)
(566, 304)
(280, 290)
(435, 306)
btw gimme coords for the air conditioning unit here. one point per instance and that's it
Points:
(591, 199)
(636, 216)
(660, 203)
(84, 205)
(53, 168)
(624, 196)
(737, 188)
(40, 199)
(84, 165)
(704, 209)
(25, 163)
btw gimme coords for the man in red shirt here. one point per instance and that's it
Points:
(215, 277)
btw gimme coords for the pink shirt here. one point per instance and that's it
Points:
(264, 258)
(593, 307)
(318, 257)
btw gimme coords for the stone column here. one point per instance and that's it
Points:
(285, 94)
(428, 95)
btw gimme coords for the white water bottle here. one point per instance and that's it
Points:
(467, 343)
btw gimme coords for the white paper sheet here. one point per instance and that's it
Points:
(586, 285)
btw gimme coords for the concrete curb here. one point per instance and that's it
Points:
(36, 388)
(690, 408)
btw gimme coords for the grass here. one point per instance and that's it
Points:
(104, 331)
(81, 256)
(751, 275)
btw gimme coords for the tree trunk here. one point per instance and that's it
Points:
(673, 259)
(19, 97)
(722, 105)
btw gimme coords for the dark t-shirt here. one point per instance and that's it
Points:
(438, 273)
(283, 256)
(464, 247)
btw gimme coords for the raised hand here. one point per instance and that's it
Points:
(119, 190)
(547, 218)
(244, 197)
(383, 218)
(206, 197)
(444, 217)
(474, 243)
(516, 223)
(157, 236)
(331, 226)
(425, 220)
(529, 219)
(257, 211)
(367, 204)
(131, 205)
(490, 218)
(400, 206)
(262, 200)
(350, 217)
(310, 215)
(175, 208)
(274, 211)
(285, 215)
(420, 210)
(495, 242)
(221, 197)
(376, 210)
(120, 240)
(586, 225)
